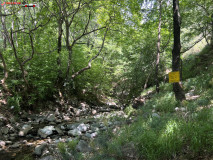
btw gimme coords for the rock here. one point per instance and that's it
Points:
(68, 139)
(39, 149)
(155, 115)
(13, 136)
(62, 127)
(94, 111)
(51, 118)
(74, 132)
(12, 120)
(72, 126)
(16, 145)
(52, 123)
(48, 158)
(94, 129)
(66, 118)
(4, 130)
(176, 109)
(57, 113)
(83, 127)
(60, 132)
(8, 142)
(78, 112)
(2, 144)
(92, 135)
(183, 109)
(24, 130)
(83, 146)
(46, 131)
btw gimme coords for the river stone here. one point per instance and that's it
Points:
(51, 118)
(60, 132)
(72, 126)
(39, 149)
(78, 112)
(94, 111)
(46, 131)
(83, 146)
(92, 135)
(74, 132)
(2, 144)
(83, 127)
(94, 129)
(16, 145)
(4, 130)
(24, 130)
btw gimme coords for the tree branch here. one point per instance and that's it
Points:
(33, 51)
(186, 49)
(93, 58)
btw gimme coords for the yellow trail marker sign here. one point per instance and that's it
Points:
(174, 77)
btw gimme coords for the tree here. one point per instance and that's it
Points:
(177, 88)
(158, 48)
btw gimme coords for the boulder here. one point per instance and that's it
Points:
(46, 131)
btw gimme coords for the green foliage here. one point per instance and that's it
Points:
(129, 110)
(68, 150)
(14, 103)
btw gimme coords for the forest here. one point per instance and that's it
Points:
(106, 80)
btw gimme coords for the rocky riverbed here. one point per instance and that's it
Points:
(35, 136)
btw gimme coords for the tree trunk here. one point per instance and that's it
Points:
(5, 74)
(19, 62)
(60, 31)
(3, 22)
(212, 32)
(158, 48)
(179, 93)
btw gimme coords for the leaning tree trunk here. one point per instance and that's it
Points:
(177, 88)
(158, 49)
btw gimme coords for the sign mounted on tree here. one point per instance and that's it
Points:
(174, 77)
